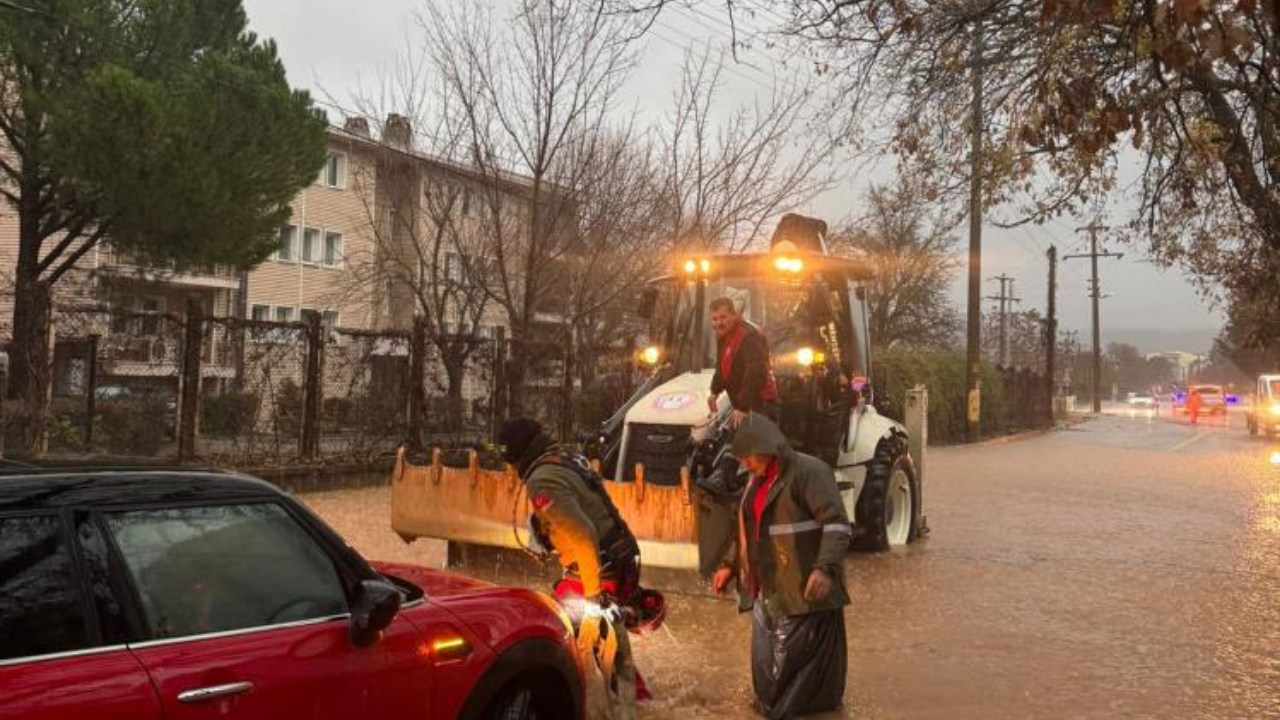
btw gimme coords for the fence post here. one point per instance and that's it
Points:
(189, 382)
(312, 392)
(417, 385)
(498, 401)
(916, 420)
(90, 390)
(4, 399)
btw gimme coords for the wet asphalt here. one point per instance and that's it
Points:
(1125, 567)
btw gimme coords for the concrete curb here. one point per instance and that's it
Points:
(1067, 424)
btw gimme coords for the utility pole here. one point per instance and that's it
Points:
(1005, 299)
(1095, 292)
(973, 359)
(1070, 348)
(1051, 329)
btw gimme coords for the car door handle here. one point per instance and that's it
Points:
(213, 692)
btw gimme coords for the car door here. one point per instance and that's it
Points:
(56, 659)
(247, 618)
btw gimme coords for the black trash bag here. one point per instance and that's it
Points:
(798, 663)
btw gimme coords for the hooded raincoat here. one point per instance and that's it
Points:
(803, 527)
(798, 652)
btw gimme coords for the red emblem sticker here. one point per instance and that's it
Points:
(541, 501)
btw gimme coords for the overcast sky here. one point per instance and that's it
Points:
(329, 47)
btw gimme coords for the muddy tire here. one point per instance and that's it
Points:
(888, 513)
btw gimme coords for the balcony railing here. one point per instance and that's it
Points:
(111, 257)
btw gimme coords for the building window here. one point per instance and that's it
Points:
(386, 297)
(260, 313)
(310, 245)
(335, 170)
(453, 267)
(329, 318)
(284, 314)
(287, 250)
(333, 249)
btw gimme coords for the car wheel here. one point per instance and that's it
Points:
(888, 509)
(516, 702)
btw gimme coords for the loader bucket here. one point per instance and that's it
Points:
(485, 507)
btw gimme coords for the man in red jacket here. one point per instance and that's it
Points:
(742, 365)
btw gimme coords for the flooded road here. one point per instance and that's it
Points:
(1126, 568)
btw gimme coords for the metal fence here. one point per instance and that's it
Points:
(245, 393)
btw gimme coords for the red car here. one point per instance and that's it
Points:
(141, 595)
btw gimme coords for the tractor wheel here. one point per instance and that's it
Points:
(888, 510)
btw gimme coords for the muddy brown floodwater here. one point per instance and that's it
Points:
(1126, 568)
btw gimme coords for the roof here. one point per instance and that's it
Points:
(43, 489)
(509, 179)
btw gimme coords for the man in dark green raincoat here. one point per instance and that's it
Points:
(788, 559)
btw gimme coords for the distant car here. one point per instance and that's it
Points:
(142, 595)
(1263, 418)
(1212, 399)
(1141, 400)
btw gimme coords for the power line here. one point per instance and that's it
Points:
(1006, 299)
(1095, 292)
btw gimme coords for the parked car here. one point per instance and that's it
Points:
(114, 393)
(149, 594)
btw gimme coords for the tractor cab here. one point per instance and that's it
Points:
(811, 309)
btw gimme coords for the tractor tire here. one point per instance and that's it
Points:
(888, 513)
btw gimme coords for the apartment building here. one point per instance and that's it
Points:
(351, 253)
(320, 264)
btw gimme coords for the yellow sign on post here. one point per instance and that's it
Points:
(975, 405)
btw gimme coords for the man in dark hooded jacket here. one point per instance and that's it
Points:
(788, 560)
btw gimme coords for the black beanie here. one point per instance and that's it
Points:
(516, 436)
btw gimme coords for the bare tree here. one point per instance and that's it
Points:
(912, 253)
(724, 181)
(535, 97)
(427, 262)
(621, 246)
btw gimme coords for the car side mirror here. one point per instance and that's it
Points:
(648, 303)
(376, 605)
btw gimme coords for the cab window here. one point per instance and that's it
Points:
(40, 608)
(202, 570)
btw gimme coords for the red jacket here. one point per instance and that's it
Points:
(743, 369)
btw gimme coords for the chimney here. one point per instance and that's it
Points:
(357, 126)
(397, 133)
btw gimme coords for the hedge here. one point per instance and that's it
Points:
(894, 372)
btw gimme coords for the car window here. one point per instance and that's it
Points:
(211, 569)
(40, 609)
